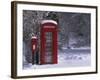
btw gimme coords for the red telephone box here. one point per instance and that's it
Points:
(48, 50)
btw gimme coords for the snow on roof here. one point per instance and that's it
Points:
(34, 37)
(49, 21)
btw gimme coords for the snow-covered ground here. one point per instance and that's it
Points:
(68, 58)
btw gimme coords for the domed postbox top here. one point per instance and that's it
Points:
(49, 21)
(34, 37)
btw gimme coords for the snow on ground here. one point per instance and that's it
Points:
(78, 48)
(67, 58)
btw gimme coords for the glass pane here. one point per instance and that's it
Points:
(48, 47)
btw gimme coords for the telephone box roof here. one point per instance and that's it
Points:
(49, 21)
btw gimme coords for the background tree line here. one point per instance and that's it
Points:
(73, 29)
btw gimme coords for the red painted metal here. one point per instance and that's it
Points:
(34, 42)
(48, 27)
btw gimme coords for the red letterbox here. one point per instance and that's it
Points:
(34, 43)
(48, 50)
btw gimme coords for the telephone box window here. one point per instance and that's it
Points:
(49, 49)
